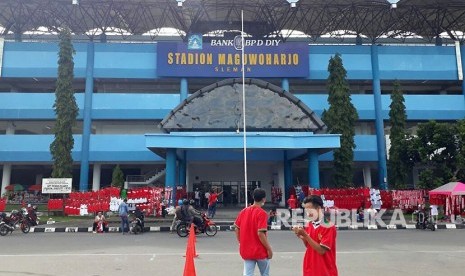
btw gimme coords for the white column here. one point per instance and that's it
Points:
(6, 177)
(96, 177)
(367, 176)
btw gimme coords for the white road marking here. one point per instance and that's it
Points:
(153, 256)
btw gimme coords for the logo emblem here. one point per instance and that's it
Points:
(194, 42)
(238, 42)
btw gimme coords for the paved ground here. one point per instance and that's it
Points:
(412, 253)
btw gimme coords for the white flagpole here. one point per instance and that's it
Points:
(243, 110)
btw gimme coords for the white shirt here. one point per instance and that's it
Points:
(434, 210)
(207, 195)
(197, 195)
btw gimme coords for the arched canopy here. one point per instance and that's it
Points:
(218, 107)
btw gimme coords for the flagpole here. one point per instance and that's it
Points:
(243, 109)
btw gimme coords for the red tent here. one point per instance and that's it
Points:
(450, 189)
(36, 187)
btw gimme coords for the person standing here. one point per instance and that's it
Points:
(292, 204)
(251, 228)
(207, 199)
(123, 214)
(197, 197)
(319, 237)
(163, 203)
(212, 201)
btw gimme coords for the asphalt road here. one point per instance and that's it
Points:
(382, 252)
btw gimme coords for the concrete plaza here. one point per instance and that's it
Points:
(382, 252)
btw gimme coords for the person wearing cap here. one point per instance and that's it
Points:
(319, 238)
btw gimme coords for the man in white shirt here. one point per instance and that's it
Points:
(197, 197)
(207, 197)
(434, 212)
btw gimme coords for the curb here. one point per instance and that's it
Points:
(231, 228)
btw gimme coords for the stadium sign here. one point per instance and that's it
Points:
(56, 185)
(221, 58)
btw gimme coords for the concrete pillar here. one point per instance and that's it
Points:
(313, 168)
(381, 147)
(6, 177)
(367, 176)
(96, 176)
(84, 174)
(184, 89)
(170, 176)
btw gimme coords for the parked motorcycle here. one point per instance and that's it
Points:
(424, 221)
(16, 220)
(208, 227)
(31, 216)
(138, 223)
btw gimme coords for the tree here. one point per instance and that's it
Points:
(438, 147)
(66, 110)
(117, 177)
(397, 163)
(340, 119)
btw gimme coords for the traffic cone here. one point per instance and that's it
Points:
(189, 266)
(192, 240)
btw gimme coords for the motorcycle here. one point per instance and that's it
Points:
(137, 224)
(424, 221)
(31, 218)
(208, 227)
(16, 220)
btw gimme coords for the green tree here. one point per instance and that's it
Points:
(397, 163)
(117, 177)
(437, 147)
(340, 119)
(66, 110)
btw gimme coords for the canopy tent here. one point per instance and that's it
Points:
(450, 189)
(14, 187)
(36, 187)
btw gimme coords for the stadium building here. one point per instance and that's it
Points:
(159, 87)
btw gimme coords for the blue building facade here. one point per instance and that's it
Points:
(123, 97)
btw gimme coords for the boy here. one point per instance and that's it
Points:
(319, 237)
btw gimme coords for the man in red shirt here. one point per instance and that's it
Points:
(212, 200)
(292, 204)
(251, 227)
(319, 237)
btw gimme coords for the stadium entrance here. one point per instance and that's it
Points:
(203, 139)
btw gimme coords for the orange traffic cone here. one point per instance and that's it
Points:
(189, 266)
(192, 240)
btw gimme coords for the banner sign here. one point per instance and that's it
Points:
(56, 185)
(223, 58)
